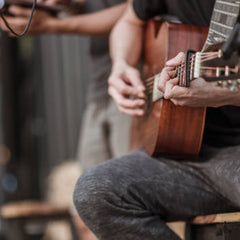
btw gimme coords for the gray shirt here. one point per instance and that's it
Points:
(99, 54)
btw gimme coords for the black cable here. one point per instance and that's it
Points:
(28, 24)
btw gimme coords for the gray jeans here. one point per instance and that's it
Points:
(104, 134)
(131, 198)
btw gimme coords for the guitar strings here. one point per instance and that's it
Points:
(207, 56)
(180, 66)
(149, 82)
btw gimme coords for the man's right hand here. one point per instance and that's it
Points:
(127, 89)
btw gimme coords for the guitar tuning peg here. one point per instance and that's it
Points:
(224, 83)
(233, 88)
(233, 85)
(220, 83)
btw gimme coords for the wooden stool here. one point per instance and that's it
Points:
(224, 226)
(28, 218)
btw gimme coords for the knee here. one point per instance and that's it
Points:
(91, 190)
(85, 191)
(102, 188)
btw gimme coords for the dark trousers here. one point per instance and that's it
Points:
(133, 197)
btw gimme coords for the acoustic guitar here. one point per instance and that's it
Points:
(169, 130)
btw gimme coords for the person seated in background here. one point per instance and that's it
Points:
(104, 131)
(132, 197)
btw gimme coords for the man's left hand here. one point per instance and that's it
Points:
(199, 94)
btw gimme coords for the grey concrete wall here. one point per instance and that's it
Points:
(65, 75)
(43, 84)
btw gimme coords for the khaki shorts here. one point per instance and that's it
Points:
(105, 134)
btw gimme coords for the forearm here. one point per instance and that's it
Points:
(98, 23)
(126, 39)
(223, 96)
(233, 98)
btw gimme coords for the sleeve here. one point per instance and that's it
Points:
(146, 9)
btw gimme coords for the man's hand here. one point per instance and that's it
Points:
(199, 94)
(40, 23)
(127, 89)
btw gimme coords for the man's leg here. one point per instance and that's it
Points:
(222, 168)
(120, 125)
(131, 198)
(93, 146)
(92, 150)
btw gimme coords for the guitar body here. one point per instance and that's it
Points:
(169, 130)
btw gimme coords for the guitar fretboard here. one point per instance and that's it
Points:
(224, 17)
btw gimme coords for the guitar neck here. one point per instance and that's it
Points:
(211, 66)
(224, 17)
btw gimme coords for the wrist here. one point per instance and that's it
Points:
(119, 64)
(235, 99)
(53, 25)
(69, 25)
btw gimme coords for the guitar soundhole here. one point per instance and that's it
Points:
(146, 75)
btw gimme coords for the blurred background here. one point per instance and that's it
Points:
(43, 82)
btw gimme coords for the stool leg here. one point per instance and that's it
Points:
(188, 232)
